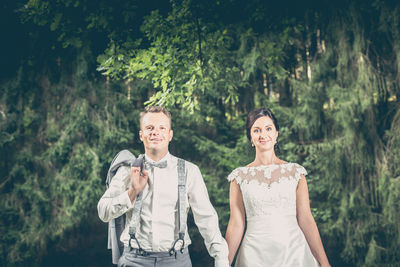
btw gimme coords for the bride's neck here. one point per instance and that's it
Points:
(265, 158)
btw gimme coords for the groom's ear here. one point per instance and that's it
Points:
(141, 135)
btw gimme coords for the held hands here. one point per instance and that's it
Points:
(138, 182)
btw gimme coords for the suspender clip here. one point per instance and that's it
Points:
(171, 251)
(179, 244)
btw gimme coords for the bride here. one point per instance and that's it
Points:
(273, 197)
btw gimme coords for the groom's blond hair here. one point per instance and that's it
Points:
(156, 109)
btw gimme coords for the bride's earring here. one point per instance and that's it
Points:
(252, 144)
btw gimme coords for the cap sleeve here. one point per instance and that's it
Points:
(235, 176)
(300, 170)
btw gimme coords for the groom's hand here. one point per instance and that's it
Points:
(138, 182)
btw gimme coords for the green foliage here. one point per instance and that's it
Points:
(55, 151)
(334, 89)
(188, 59)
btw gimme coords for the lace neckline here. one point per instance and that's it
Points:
(266, 166)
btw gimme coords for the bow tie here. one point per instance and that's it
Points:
(161, 165)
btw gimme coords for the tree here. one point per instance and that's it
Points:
(334, 89)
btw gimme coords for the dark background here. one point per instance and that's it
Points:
(74, 76)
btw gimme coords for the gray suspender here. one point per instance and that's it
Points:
(137, 208)
(180, 242)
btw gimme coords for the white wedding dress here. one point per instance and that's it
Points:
(273, 236)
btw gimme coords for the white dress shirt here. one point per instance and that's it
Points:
(158, 227)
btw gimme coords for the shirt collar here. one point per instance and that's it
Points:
(166, 157)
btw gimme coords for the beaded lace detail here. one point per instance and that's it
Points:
(269, 189)
(268, 174)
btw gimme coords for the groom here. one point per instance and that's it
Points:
(152, 196)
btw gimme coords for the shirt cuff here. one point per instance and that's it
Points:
(221, 262)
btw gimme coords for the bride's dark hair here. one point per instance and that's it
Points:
(257, 113)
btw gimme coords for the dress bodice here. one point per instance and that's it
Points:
(269, 189)
(273, 237)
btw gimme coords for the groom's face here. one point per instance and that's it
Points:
(155, 131)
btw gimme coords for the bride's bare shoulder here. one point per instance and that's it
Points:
(281, 162)
(251, 164)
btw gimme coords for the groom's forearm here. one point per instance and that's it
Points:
(206, 219)
(209, 229)
(115, 201)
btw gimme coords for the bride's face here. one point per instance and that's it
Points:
(264, 134)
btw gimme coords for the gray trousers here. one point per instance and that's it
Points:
(155, 259)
